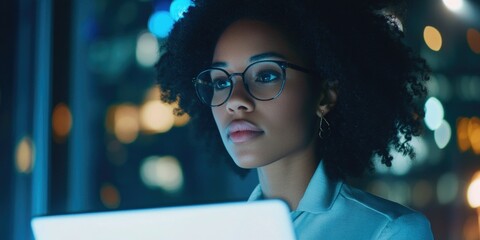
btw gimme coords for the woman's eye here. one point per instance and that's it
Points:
(267, 77)
(221, 84)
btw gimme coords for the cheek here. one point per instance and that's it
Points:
(217, 116)
(220, 115)
(295, 105)
(293, 115)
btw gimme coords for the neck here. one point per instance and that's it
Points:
(288, 178)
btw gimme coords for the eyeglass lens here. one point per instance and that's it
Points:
(263, 81)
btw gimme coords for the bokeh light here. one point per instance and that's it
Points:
(61, 122)
(156, 117)
(473, 130)
(421, 149)
(471, 228)
(110, 119)
(162, 172)
(110, 196)
(447, 188)
(468, 87)
(433, 86)
(422, 193)
(379, 188)
(475, 141)
(181, 121)
(160, 24)
(24, 155)
(463, 140)
(438, 86)
(400, 192)
(434, 113)
(401, 165)
(473, 192)
(453, 5)
(126, 123)
(147, 50)
(178, 8)
(154, 93)
(443, 134)
(379, 167)
(432, 38)
(473, 39)
(468, 134)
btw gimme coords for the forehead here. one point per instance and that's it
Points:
(245, 38)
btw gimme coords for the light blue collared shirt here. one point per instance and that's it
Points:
(333, 210)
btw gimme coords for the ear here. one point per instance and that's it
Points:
(328, 98)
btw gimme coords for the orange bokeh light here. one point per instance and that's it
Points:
(474, 134)
(110, 196)
(433, 38)
(462, 134)
(473, 39)
(61, 122)
(468, 134)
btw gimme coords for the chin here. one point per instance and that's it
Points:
(246, 163)
(249, 162)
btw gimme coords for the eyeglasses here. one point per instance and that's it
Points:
(263, 80)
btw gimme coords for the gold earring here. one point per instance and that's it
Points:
(325, 131)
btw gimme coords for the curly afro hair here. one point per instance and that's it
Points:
(380, 82)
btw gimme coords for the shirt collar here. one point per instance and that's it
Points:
(257, 194)
(319, 196)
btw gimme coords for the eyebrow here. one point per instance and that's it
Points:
(253, 58)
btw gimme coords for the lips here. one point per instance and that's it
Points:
(239, 131)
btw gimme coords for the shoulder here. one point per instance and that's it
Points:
(409, 226)
(400, 222)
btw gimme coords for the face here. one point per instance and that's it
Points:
(258, 133)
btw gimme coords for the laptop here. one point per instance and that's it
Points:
(268, 219)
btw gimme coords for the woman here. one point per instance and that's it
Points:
(306, 92)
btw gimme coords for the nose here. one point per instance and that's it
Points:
(240, 100)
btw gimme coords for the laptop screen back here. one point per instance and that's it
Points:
(255, 220)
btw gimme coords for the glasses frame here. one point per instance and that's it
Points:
(282, 64)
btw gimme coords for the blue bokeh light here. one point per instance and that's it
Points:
(443, 134)
(434, 113)
(160, 24)
(178, 8)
